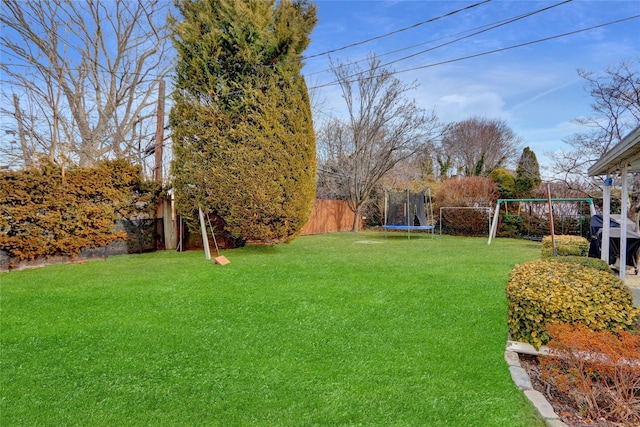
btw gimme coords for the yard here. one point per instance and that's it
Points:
(338, 329)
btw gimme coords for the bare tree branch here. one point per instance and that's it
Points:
(479, 145)
(383, 128)
(615, 111)
(89, 69)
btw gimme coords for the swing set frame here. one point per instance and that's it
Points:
(496, 215)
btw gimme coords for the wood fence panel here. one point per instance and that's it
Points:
(329, 216)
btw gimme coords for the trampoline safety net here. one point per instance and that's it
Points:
(406, 209)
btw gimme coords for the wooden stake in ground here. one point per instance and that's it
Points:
(203, 231)
(220, 259)
(551, 227)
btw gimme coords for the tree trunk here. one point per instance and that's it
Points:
(356, 219)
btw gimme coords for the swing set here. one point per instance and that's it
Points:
(496, 215)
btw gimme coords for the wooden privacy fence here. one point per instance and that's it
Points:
(329, 216)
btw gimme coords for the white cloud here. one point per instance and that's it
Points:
(468, 102)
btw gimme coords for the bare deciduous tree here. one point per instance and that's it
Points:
(79, 78)
(383, 127)
(479, 145)
(616, 110)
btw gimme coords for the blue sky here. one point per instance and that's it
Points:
(535, 89)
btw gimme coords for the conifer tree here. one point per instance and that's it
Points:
(527, 173)
(244, 145)
(505, 181)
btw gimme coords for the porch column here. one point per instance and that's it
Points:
(623, 233)
(606, 217)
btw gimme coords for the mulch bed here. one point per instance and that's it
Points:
(563, 407)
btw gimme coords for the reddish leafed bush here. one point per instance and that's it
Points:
(466, 193)
(598, 370)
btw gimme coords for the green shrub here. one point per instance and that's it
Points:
(505, 181)
(565, 246)
(551, 291)
(597, 263)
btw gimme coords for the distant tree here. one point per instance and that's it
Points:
(241, 123)
(615, 111)
(506, 183)
(479, 145)
(417, 168)
(445, 163)
(80, 78)
(527, 174)
(383, 128)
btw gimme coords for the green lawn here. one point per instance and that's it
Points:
(341, 329)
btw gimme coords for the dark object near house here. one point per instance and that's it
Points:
(615, 231)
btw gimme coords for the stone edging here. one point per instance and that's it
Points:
(523, 382)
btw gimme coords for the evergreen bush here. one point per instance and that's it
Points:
(505, 181)
(45, 212)
(244, 145)
(527, 174)
(565, 246)
(549, 291)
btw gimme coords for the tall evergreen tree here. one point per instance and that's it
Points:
(244, 145)
(527, 173)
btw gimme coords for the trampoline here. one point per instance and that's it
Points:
(407, 211)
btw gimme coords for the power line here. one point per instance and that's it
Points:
(336, 82)
(482, 29)
(522, 44)
(395, 31)
(420, 44)
(526, 15)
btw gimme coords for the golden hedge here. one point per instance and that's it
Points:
(44, 212)
(565, 246)
(542, 291)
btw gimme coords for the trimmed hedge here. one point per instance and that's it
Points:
(549, 291)
(597, 263)
(565, 246)
(45, 211)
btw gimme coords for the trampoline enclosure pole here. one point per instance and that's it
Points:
(407, 208)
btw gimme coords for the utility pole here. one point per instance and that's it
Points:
(157, 169)
(159, 140)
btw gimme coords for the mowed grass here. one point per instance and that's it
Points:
(339, 330)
